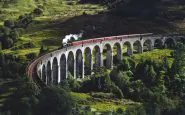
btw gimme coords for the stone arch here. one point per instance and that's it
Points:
(44, 73)
(96, 57)
(63, 67)
(55, 71)
(107, 56)
(70, 64)
(87, 61)
(147, 45)
(158, 44)
(49, 79)
(137, 47)
(117, 56)
(79, 63)
(127, 48)
(169, 43)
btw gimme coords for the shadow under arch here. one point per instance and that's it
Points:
(79, 63)
(63, 67)
(127, 49)
(137, 48)
(107, 56)
(117, 53)
(169, 43)
(44, 73)
(158, 44)
(49, 73)
(87, 61)
(147, 45)
(96, 57)
(70, 64)
(55, 71)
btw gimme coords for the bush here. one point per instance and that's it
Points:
(31, 56)
(9, 23)
(37, 11)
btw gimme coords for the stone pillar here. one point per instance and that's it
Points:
(74, 69)
(40, 72)
(46, 74)
(101, 58)
(91, 61)
(51, 76)
(141, 49)
(58, 73)
(112, 59)
(83, 66)
(121, 53)
(66, 69)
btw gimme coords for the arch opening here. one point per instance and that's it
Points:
(87, 61)
(158, 44)
(147, 46)
(107, 56)
(127, 49)
(137, 48)
(96, 57)
(63, 67)
(49, 73)
(169, 43)
(55, 71)
(44, 74)
(70, 63)
(79, 63)
(117, 54)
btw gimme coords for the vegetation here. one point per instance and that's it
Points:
(148, 83)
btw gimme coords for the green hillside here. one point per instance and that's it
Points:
(60, 18)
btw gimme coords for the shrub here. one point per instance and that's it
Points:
(8, 23)
(37, 11)
(32, 55)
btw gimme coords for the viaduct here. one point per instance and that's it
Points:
(79, 61)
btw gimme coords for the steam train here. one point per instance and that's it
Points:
(88, 41)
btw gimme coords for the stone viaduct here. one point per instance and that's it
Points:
(79, 61)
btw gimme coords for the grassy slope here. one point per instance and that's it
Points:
(101, 104)
(43, 30)
(156, 54)
(60, 19)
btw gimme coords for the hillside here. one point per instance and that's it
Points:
(60, 18)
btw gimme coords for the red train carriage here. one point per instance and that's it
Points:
(98, 40)
(109, 38)
(77, 43)
(88, 41)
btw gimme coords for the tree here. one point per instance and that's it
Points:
(54, 101)
(23, 100)
(178, 66)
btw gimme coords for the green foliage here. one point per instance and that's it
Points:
(70, 84)
(23, 100)
(54, 101)
(10, 67)
(31, 56)
(43, 50)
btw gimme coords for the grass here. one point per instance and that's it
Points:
(101, 105)
(107, 106)
(156, 54)
(43, 30)
(61, 18)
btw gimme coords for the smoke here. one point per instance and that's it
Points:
(72, 37)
